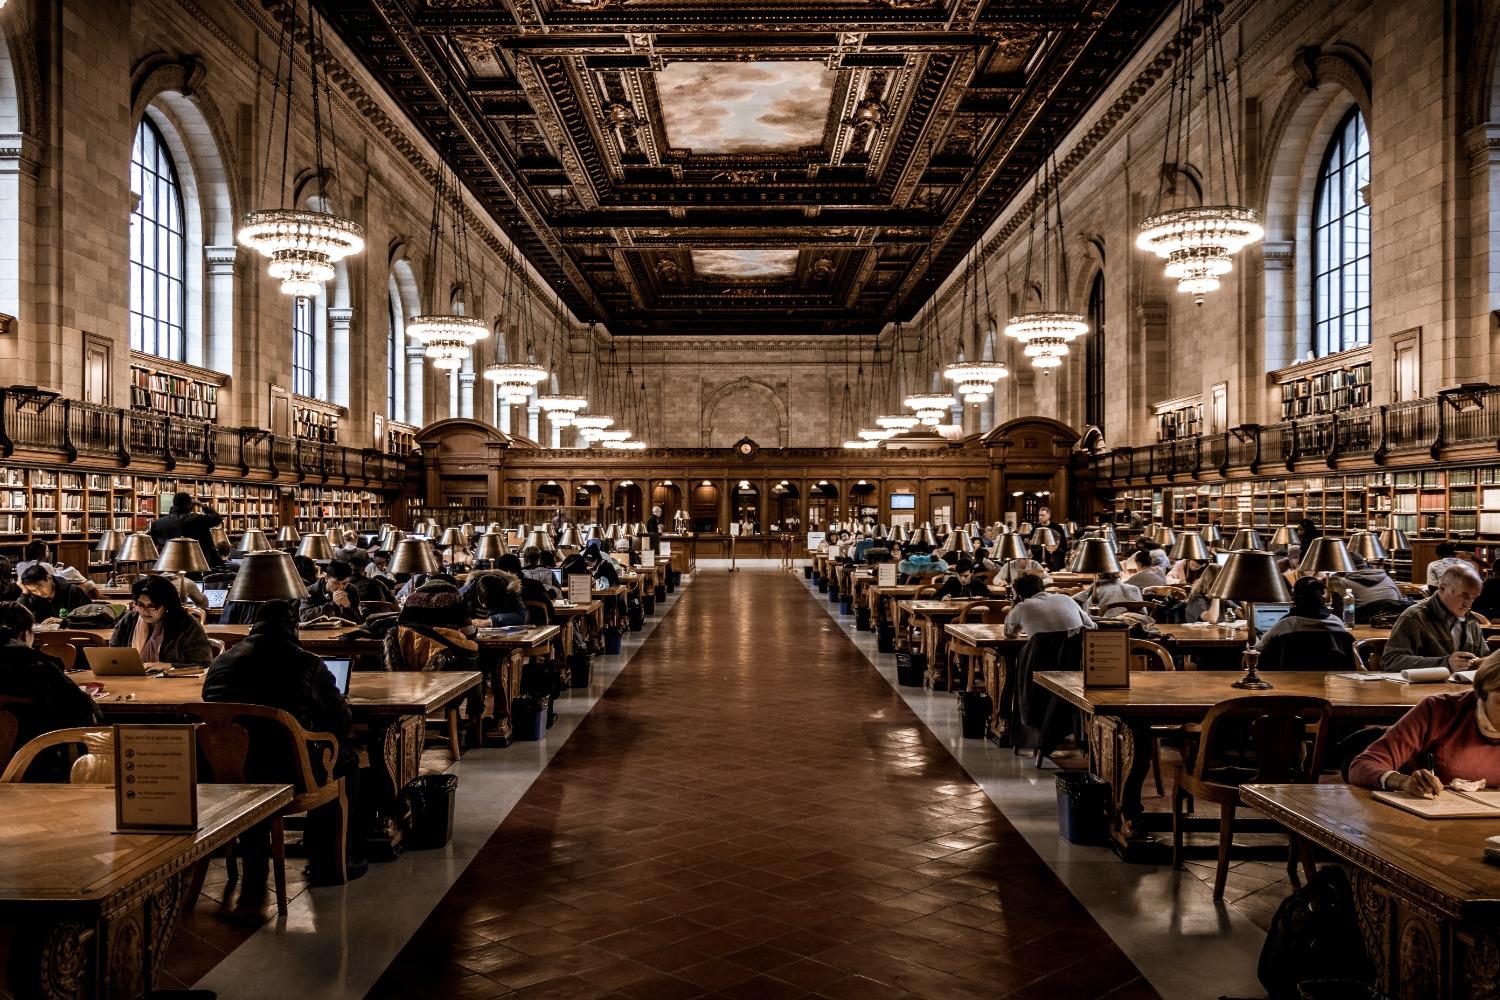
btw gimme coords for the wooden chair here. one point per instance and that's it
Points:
(77, 638)
(1481, 619)
(10, 726)
(65, 652)
(1139, 607)
(1260, 739)
(1147, 655)
(969, 656)
(1411, 590)
(1369, 651)
(20, 763)
(225, 736)
(217, 645)
(377, 607)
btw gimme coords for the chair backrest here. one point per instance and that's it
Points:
(65, 652)
(238, 742)
(77, 638)
(538, 613)
(20, 763)
(10, 725)
(1481, 619)
(988, 612)
(1147, 655)
(1139, 607)
(373, 607)
(217, 645)
(1369, 651)
(923, 593)
(1310, 651)
(1165, 593)
(1411, 590)
(1263, 739)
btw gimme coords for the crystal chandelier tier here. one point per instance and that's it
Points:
(976, 379)
(515, 380)
(874, 434)
(591, 425)
(613, 436)
(561, 410)
(857, 444)
(431, 329)
(1046, 335)
(303, 245)
(625, 445)
(896, 421)
(447, 355)
(1198, 242)
(930, 407)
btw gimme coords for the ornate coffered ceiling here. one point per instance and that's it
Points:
(744, 166)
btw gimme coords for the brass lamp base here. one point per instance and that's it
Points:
(1252, 680)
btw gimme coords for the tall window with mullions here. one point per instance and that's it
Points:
(302, 346)
(1341, 241)
(1093, 355)
(158, 250)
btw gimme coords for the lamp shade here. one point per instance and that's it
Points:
(182, 555)
(391, 539)
(1251, 575)
(493, 528)
(1165, 536)
(267, 575)
(452, 538)
(1095, 556)
(1190, 546)
(218, 536)
(491, 546)
(1108, 534)
(316, 548)
(1011, 546)
(571, 538)
(109, 543)
(539, 539)
(1044, 536)
(593, 535)
(1210, 533)
(414, 555)
(1394, 540)
(1247, 538)
(468, 529)
(960, 541)
(901, 533)
(1365, 545)
(137, 548)
(288, 535)
(254, 540)
(1285, 537)
(923, 536)
(1327, 555)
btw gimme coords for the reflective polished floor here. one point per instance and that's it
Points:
(751, 811)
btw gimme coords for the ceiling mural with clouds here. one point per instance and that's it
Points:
(714, 107)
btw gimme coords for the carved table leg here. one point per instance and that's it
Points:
(505, 682)
(1120, 753)
(394, 744)
(996, 670)
(52, 959)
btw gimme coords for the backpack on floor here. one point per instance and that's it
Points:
(1314, 935)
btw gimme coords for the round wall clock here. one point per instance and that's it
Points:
(746, 448)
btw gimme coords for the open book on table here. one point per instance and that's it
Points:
(1451, 804)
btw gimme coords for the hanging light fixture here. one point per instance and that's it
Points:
(976, 379)
(614, 436)
(874, 434)
(561, 410)
(591, 425)
(515, 380)
(1047, 333)
(896, 422)
(930, 407)
(857, 444)
(303, 245)
(1198, 242)
(625, 445)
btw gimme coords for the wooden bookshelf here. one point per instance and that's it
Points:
(320, 508)
(311, 423)
(175, 390)
(400, 439)
(1340, 388)
(1179, 418)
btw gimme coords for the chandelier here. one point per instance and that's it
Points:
(930, 407)
(447, 355)
(514, 381)
(591, 425)
(432, 329)
(303, 245)
(896, 421)
(872, 434)
(1198, 242)
(857, 444)
(976, 379)
(561, 410)
(625, 445)
(612, 437)
(1047, 333)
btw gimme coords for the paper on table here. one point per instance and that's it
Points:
(1362, 677)
(1463, 676)
(1425, 675)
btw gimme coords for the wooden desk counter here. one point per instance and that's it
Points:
(371, 692)
(95, 908)
(1428, 902)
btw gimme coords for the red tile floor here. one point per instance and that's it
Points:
(752, 812)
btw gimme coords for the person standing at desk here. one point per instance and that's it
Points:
(189, 519)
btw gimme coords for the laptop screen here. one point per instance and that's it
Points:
(557, 575)
(340, 671)
(1267, 615)
(1221, 557)
(216, 599)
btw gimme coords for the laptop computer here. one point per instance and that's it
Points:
(1221, 557)
(339, 668)
(557, 575)
(1267, 615)
(110, 661)
(216, 599)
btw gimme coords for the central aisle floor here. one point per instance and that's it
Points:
(751, 811)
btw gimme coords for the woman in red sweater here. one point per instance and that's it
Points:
(1461, 731)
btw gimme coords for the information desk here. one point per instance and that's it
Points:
(1120, 721)
(1427, 901)
(390, 716)
(94, 911)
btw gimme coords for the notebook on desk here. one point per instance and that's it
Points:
(1451, 804)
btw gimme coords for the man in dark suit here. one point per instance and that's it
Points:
(183, 521)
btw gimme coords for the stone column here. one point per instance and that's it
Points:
(416, 373)
(336, 381)
(466, 394)
(220, 267)
(533, 415)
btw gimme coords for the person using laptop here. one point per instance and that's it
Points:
(1309, 613)
(269, 667)
(52, 701)
(606, 572)
(159, 628)
(47, 596)
(333, 596)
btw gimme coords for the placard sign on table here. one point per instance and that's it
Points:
(1106, 657)
(885, 575)
(156, 778)
(648, 558)
(814, 539)
(580, 588)
(665, 548)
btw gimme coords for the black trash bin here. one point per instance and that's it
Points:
(885, 638)
(1083, 808)
(975, 708)
(528, 716)
(807, 572)
(612, 639)
(431, 797)
(580, 668)
(910, 669)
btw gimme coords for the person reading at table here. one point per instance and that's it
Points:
(1202, 608)
(1443, 737)
(1438, 631)
(532, 591)
(160, 628)
(46, 699)
(333, 596)
(1310, 613)
(961, 583)
(605, 572)
(1155, 564)
(47, 596)
(1104, 591)
(269, 667)
(1037, 610)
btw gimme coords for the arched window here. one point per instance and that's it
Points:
(303, 352)
(393, 352)
(1341, 241)
(158, 250)
(1093, 357)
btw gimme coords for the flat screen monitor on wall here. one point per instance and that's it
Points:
(903, 501)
